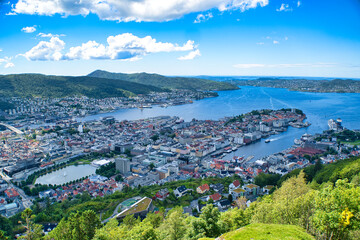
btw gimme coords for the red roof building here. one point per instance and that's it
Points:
(11, 193)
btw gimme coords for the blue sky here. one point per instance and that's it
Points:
(182, 37)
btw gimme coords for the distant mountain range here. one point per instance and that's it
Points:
(166, 82)
(99, 84)
(305, 85)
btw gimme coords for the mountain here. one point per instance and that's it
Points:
(305, 85)
(38, 85)
(166, 82)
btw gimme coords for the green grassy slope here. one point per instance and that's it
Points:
(266, 232)
(38, 85)
(166, 82)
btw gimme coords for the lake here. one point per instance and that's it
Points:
(66, 175)
(319, 108)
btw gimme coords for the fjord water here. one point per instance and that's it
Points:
(319, 108)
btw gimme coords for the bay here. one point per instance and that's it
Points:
(319, 108)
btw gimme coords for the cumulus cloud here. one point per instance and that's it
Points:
(29, 29)
(284, 8)
(123, 46)
(203, 18)
(276, 42)
(7, 61)
(50, 35)
(9, 65)
(44, 51)
(284, 65)
(191, 55)
(132, 10)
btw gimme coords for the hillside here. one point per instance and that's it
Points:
(166, 82)
(38, 85)
(306, 85)
(342, 169)
(260, 231)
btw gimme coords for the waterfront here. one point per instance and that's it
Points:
(66, 175)
(319, 108)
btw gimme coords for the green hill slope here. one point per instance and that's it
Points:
(38, 85)
(166, 82)
(341, 169)
(260, 231)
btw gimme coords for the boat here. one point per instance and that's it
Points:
(267, 140)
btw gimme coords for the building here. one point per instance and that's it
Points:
(237, 192)
(162, 194)
(123, 165)
(203, 188)
(215, 197)
(11, 193)
(138, 209)
(181, 191)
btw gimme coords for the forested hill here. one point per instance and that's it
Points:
(38, 85)
(166, 82)
(305, 85)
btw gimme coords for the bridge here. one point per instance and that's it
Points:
(14, 129)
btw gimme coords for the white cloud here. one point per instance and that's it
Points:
(44, 51)
(29, 29)
(132, 10)
(286, 65)
(123, 46)
(276, 42)
(298, 4)
(284, 7)
(191, 55)
(50, 35)
(260, 43)
(286, 38)
(203, 18)
(9, 65)
(7, 61)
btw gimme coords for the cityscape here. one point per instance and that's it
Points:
(179, 120)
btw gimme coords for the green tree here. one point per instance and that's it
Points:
(33, 231)
(174, 227)
(79, 226)
(211, 215)
(336, 210)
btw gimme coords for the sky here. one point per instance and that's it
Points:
(314, 38)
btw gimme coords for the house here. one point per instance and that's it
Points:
(235, 184)
(223, 204)
(11, 193)
(252, 189)
(181, 191)
(215, 197)
(238, 192)
(162, 194)
(217, 187)
(267, 189)
(47, 194)
(203, 188)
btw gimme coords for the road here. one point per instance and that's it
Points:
(14, 129)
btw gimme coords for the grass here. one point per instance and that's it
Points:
(267, 232)
(139, 207)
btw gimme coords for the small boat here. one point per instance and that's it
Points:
(267, 140)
